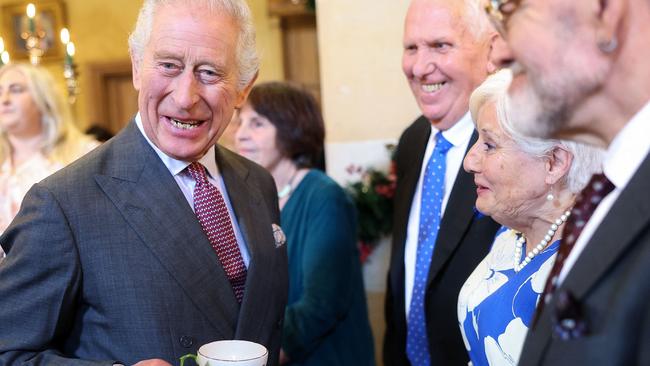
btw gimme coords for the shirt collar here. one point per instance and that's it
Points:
(459, 133)
(177, 166)
(628, 149)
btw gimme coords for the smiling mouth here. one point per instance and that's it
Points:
(430, 88)
(185, 125)
(243, 151)
(480, 187)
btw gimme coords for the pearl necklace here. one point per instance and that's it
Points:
(521, 241)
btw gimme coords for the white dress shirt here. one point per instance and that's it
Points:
(624, 156)
(186, 183)
(458, 135)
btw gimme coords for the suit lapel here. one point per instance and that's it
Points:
(255, 225)
(147, 195)
(628, 216)
(411, 162)
(458, 216)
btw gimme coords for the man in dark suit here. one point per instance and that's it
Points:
(446, 49)
(581, 72)
(158, 241)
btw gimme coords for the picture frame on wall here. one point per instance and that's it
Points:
(48, 22)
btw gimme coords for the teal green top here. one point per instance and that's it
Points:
(326, 320)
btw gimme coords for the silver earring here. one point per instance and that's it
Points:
(608, 46)
(550, 197)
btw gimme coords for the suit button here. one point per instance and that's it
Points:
(186, 341)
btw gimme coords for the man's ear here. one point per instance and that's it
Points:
(498, 47)
(243, 94)
(610, 16)
(136, 63)
(558, 164)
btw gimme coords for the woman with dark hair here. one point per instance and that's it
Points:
(326, 320)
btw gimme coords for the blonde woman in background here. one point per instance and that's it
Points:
(37, 135)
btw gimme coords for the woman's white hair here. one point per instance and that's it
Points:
(247, 59)
(587, 160)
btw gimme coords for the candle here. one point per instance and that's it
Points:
(65, 36)
(2, 52)
(69, 53)
(31, 13)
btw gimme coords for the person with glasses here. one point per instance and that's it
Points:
(581, 72)
(438, 238)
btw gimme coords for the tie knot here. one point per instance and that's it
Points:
(197, 171)
(442, 145)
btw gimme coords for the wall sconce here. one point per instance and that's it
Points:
(31, 30)
(69, 67)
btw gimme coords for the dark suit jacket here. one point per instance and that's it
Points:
(463, 241)
(106, 261)
(610, 282)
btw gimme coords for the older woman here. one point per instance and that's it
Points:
(529, 187)
(326, 320)
(37, 136)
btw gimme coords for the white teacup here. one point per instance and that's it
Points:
(230, 353)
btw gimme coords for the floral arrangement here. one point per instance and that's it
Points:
(373, 197)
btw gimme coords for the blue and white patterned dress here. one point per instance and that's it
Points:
(496, 305)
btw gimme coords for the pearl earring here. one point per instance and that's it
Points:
(550, 197)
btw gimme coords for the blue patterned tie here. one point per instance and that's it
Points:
(433, 189)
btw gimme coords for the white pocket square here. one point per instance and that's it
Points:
(278, 235)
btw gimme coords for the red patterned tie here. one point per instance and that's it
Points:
(599, 187)
(211, 210)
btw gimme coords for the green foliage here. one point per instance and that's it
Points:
(373, 197)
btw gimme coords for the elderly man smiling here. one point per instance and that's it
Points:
(159, 241)
(581, 72)
(445, 57)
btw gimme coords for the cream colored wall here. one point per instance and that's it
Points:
(366, 103)
(365, 95)
(100, 31)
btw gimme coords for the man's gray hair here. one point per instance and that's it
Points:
(247, 59)
(587, 159)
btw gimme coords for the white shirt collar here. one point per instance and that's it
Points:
(628, 149)
(459, 133)
(177, 166)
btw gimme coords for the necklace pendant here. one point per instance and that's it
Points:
(285, 191)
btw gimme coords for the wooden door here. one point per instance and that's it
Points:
(300, 43)
(114, 101)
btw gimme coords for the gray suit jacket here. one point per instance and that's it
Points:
(106, 261)
(610, 283)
